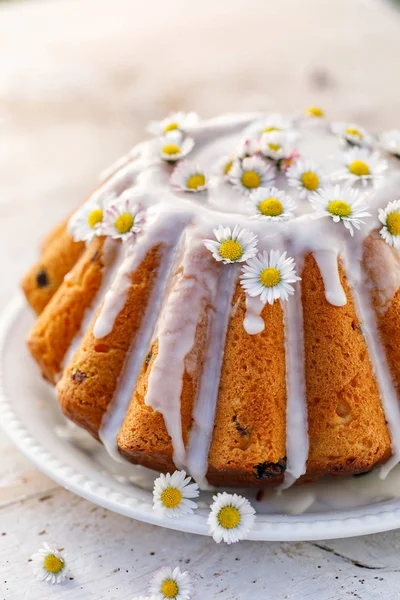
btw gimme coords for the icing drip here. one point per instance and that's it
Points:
(206, 403)
(253, 322)
(296, 404)
(361, 293)
(112, 256)
(328, 265)
(194, 288)
(383, 265)
(112, 420)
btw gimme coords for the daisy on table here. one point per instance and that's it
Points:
(361, 166)
(352, 134)
(269, 275)
(390, 141)
(306, 176)
(390, 218)
(271, 204)
(171, 584)
(250, 174)
(231, 246)
(343, 205)
(176, 121)
(49, 565)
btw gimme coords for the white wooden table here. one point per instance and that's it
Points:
(78, 81)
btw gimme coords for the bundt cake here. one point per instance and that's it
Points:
(228, 301)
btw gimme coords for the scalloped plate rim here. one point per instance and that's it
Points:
(368, 519)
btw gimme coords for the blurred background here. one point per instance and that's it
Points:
(79, 80)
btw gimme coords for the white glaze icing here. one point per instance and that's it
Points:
(328, 241)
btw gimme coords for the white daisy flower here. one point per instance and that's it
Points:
(247, 147)
(171, 494)
(275, 145)
(173, 146)
(232, 246)
(86, 223)
(352, 134)
(390, 218)
(361, 166)
(272, 204)
(189, 177)
(250, 174)
(123, 218)
(274, 122)
(171, 584)
(224, 165)
(269, 276)
(231, 518)
(390, 141)
(175, 121)
(315, 111)
(306, 176)
(342, 204)
(49, 565)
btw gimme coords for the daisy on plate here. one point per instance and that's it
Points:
(269, 276)
(49, 565)
(359, 165)
(176, 121)
(271, 204)
(390, 218)
(352, 134)
(171, 584)
(231, 518)
(189, 177)
(86, 223)
(390, 141)
(315, 112)
(274, 122)
(341, 204)
(123, 218)
(172, 493)
(232, 246)
(275, 145)
(250, 174)
(306, 176)
(173, 146)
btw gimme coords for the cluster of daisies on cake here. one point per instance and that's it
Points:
(267, 149)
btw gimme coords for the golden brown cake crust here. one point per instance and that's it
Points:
(346, 423)
(89, 382)
(61, 319)
(249, 438)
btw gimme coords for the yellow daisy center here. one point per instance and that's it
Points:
(53, 564)
(271, 207)
(228, 167)
(171, 497)
(95, 217)
(229, 517)
(271, 128)
(274, 147)
(171, 127)
(310, 180)
(270, 277)
(124, 223)
(339, 208)
(169, 588)
(393, 223)
(171, 149)
(359, 168)
(315, 111)
(251, 179)
(231, 250)
(196, 181)
(354, 133)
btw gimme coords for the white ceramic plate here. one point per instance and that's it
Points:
(30, 416)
